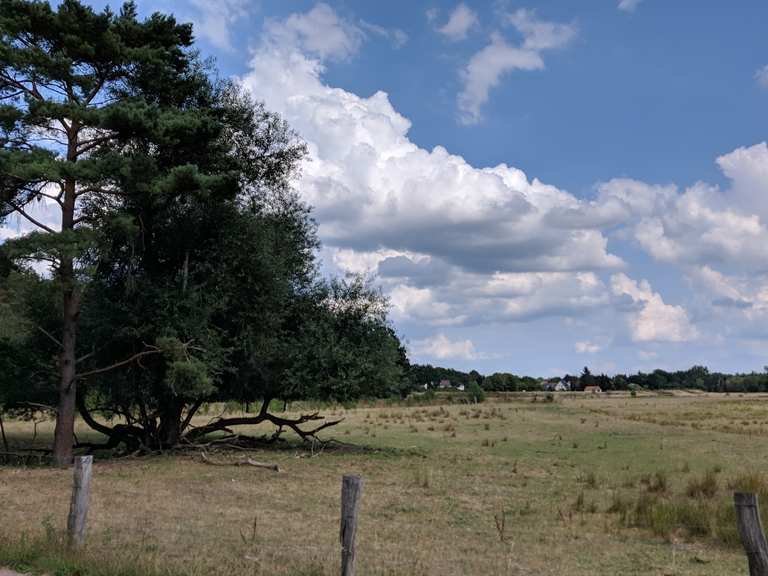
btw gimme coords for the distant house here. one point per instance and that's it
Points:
(460, 387)
(549, 385)
(444, 384)
(593, 389)
(556, 385)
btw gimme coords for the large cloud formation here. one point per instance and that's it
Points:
(457, 244)
(438, 230)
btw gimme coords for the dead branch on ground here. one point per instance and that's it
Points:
(243, 462)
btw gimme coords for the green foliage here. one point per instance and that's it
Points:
(27, 355)
(474, 392)
(701, 510)
(214, 263)
(190, 376)
(97, 109)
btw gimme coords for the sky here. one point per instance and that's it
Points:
(536, 186)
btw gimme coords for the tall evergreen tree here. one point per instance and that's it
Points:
(76, 88)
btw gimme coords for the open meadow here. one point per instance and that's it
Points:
(577, 485)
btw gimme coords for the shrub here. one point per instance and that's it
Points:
(658, 482)
(703, 511)
(475, 393)
(750, 482)
(704, 487)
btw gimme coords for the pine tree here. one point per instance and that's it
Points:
(76, 86)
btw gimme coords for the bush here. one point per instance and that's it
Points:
(475, 393)
(704, 487)
(704, 511)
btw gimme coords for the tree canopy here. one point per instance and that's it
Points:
(182, 264)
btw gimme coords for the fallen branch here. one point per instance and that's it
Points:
(293, 423)
(245, 462)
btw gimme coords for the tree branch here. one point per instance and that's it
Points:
(51, 336)
(91, 144)
(264, 416)
(85, 357)
(56, 198)
(192, 411)
(133, 358)
(21, 211)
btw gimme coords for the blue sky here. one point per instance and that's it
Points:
(537, 186)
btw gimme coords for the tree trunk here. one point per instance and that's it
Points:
(169, 430)
(65, 415)
(2, 433)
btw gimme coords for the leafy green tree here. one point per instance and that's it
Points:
(586, 378)
(223, 285)
(27, 357)
(195, 276)
(474, 392)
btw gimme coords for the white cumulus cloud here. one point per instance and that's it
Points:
(586, 347)
(443, 348)
(538, 34)
(702, 225)
(372, 188)
(319, 32)
(650, 318)
(214, 20)
(448, 240)
(460, 22)
(486, 68)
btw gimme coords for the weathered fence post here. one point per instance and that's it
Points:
(78, 508)
(351, 490)
(751, 532)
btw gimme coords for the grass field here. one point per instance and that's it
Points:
(585, 485)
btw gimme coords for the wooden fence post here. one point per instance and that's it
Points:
(78, 508)
(351, 490)
(751, 532)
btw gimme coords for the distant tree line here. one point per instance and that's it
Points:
(695, 378)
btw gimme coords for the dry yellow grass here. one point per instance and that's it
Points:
(431, 507)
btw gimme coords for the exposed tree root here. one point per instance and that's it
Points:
(141, 434)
